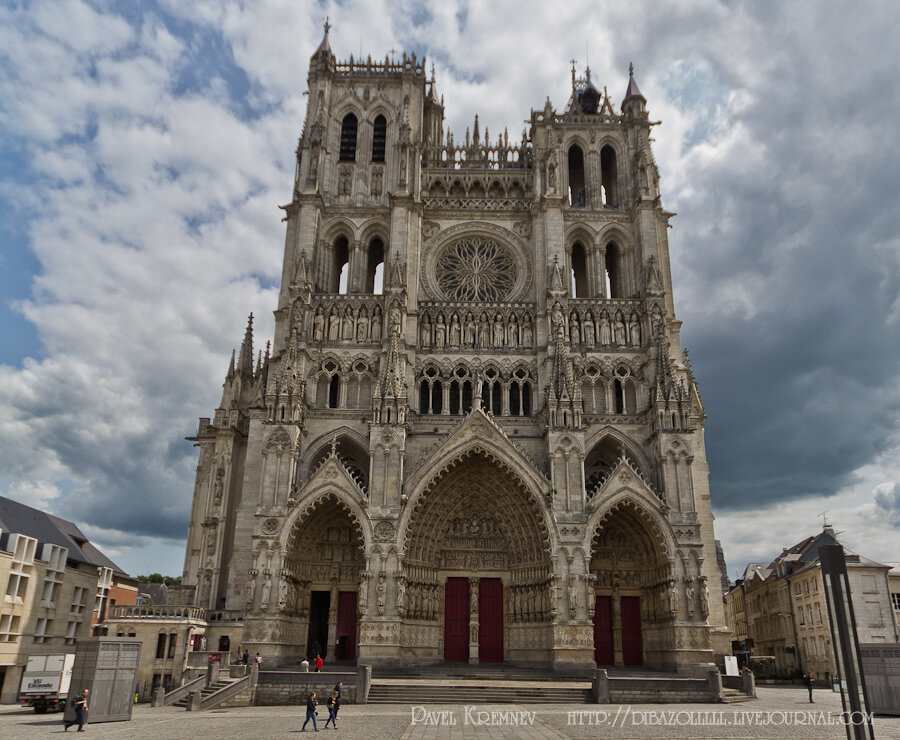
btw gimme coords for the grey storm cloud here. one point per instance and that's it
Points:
(888, 500)
(152, 215)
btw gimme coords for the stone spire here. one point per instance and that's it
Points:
(390, 399)
(245, 358)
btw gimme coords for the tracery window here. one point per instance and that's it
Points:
(379, 137)
(476, 269)
(348, 139)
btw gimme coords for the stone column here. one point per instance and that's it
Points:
(617, 628)
(598, 261)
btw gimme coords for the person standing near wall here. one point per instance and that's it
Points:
(81, 710)
(808, 680)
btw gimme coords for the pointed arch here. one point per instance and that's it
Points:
(329, 494)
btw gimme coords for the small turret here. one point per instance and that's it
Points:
(634, 103)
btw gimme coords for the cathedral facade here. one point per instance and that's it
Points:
(475, 436)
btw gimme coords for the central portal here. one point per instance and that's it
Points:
(478, 539)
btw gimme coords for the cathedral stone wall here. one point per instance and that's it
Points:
(474, 435)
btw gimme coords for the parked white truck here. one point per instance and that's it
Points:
(45, 683)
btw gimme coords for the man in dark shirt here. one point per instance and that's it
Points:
(81, 709)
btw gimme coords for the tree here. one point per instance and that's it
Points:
(160, 578)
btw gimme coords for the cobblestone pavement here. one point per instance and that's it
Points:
(785, 709)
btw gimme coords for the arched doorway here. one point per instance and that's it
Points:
(632, 618)
(477, 564)
(324, 561)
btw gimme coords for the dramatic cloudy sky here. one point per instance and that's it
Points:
(145, 146)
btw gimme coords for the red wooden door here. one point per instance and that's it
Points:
(604, 652)
(490, 620)
(346, 626)
(632, 651)
(456, 620)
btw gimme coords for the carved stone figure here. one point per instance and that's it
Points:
(620, 329)
(470, 330)
(704, 596)
(574, 334)
(573, 598)
(282, 595)
(266, 592)
(440, 332)
(512, 332)
(454, 331)
(334, 325)
(251, 591)
(401, 597)
(425, 332)
(349, 329)
(497, 339)
(318, 325)
(362, 326)
(376, 324)
(484, 331)
(557, 319)
(587, 330)
(689, 595)
(380, 592)
(605, 336)
(634, 330)
(527, 333)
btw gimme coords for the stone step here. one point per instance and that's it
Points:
(487, 694)
(206, 691)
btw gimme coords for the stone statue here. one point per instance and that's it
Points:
(470, 330)
(380, 591)
(704, 596)
(689, 595)
(376, 324)
(363, 597)
(587, 330)
(605, 336)
(251, 591)
(220, 484)
(266, 592)
(334, 325)
(620, 329)
(282, 595)
(573, 330)
(395, 317)
(512, 332)
(497, 339)
(349, 329)
(440, 332)
(362, 326)
(454, 331)
(573, 598)
(557, 318)
(401, 597)
(425, 332)
(634, 329)
(484, 332)
(527, 332)
(318, 325)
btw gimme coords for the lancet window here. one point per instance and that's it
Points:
(348, 139)
(609, 177)
(577, 192)
(379, 138)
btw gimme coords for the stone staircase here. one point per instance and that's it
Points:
(206, 691)
(733, 696)
(475, 684)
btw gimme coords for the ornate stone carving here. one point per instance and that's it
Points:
(384, 531)
(270, 526)
(476, 269)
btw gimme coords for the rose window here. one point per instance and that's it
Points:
(476, 269)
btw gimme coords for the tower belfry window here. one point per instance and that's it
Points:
(579, 271)
(379, 137)
(348, 139)
(577, 194)
(609, 176)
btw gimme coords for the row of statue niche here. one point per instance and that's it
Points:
(483, 332)
(606, 331)
(351, 326)
(423, 601)
(528, 603)
(669, 596)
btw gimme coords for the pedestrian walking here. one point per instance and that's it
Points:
(339, 688)
(334, 704)
(319, 663)
(310, 712)
(80, 703)
(808, 680)
(245, 658)
(258, 659)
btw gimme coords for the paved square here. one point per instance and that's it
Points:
(785, 708)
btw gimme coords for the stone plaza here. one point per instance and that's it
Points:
(779, 712)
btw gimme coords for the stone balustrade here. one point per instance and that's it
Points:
(158, 612)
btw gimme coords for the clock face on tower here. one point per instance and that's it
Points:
(476, 269)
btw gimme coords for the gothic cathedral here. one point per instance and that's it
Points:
(475, 437)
